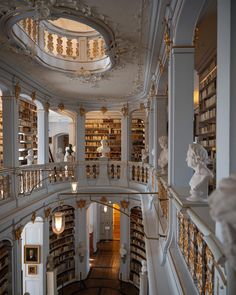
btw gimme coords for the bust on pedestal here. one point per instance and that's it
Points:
(103, 163)
(104, 148)
(30, 157)
(163, 158)
(197, 159)
(59, 155)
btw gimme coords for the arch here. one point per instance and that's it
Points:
(186, 22)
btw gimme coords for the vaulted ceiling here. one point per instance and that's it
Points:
(134, 24)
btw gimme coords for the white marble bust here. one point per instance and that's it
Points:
(144, 156)
(223, 209)
(197, 159)
(59, 155)
(123, 251)
(163, 158)
(30, 157)
(144, 267)
(104, 148)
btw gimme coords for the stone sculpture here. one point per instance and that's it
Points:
(163, 158)
(223, 209)
(197, 159)
(104, 148)
(30, 157)
(59, 155)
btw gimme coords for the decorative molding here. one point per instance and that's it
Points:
(17, 232)
(81, 204)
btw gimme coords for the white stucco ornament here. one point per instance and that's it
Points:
(144, 267)
(104, 148)
(30, 157)
(163, 158)
(223, 209)
(197, 159)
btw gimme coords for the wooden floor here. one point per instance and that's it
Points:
(103, 277)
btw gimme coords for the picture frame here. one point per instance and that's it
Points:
(32, 270)
(32, 254)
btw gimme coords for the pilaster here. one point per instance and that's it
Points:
(43, 144)
(181, 114)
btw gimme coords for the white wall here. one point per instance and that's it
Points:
(33, 235)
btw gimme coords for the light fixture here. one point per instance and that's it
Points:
(74, 187)
(105, 209)
(58, 222)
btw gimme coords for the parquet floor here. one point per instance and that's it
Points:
(103, 277)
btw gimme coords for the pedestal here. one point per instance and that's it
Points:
(51, 283)
(103, 175)
(143, 284)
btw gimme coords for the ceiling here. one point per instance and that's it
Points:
(131, 22)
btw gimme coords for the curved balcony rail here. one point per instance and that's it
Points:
(191, 237)
(63, 49)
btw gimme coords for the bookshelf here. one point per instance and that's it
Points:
(98, 129)
(207, 114)
(5, 268)
(137, 139)
(1, 135)
(27, 130)
(62, 247)
(137, 245)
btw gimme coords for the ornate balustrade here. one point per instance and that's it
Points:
(92, 169)
(138, 172)
(194, 238)
(64, 44)
(6, 177)
(114, 170)
(30, 178)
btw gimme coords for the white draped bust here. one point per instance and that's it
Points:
(223, 209)
(197, 159)
(163, 158)
(30, 157)
(104, 148)
(59, 155)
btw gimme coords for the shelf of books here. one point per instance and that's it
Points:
(207, 114)
(138, 139)
(62, 247)
(137, 245)
(1, 135)
(5, 268)
(27, 131)
(98, 129)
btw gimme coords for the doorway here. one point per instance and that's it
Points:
(116, 222)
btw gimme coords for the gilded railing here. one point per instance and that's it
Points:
(139, 172)
(163, 198)
(196, 253)
(80, 48)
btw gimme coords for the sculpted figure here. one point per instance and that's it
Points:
(104, 148)
(144, 267)
(223, 209)
(68, 155)
(30, 157)
(59, 155)
(144, 156)
(50, 263)
(163, 158)
(197, 159)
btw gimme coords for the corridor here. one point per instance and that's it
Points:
(103, 278)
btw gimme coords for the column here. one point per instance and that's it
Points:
(83, 243)
(226, 90)
(45, 253)
(181, 114)
(160, 124)
(226, 105)
(10, 120)
(17, 267)
(72, 131)
(43, 144)
(125, 138)
(80, 146)
(150, 134)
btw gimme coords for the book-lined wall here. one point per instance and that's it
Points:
(5, 268)
(207, 114)
(137, 139)
(1, 135)
(102, 128)
(137, 244)
(62, 247)
(27, 130)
